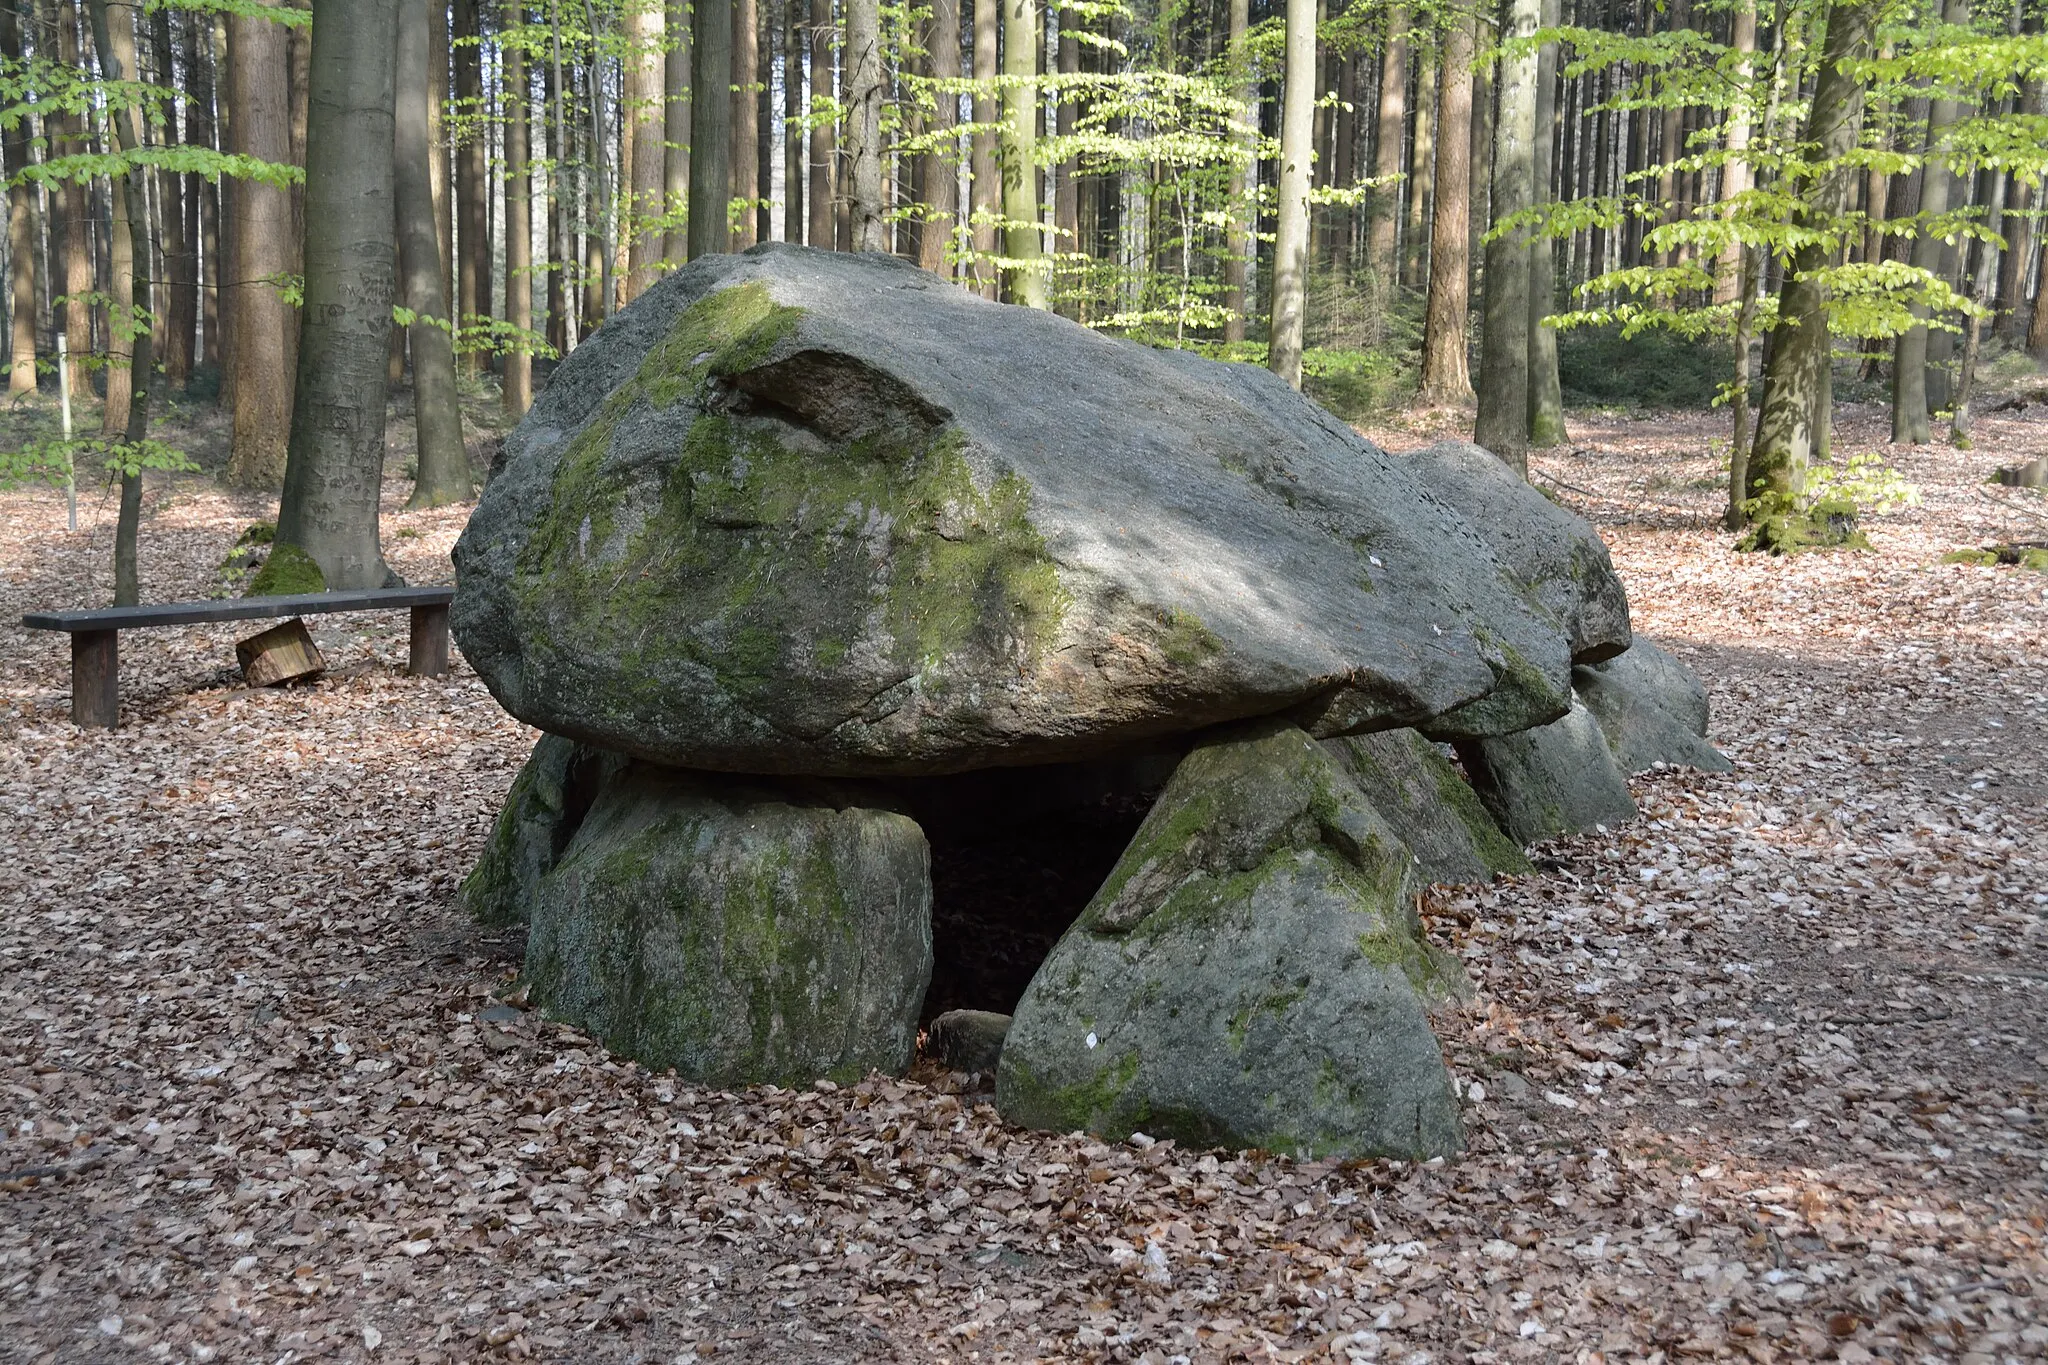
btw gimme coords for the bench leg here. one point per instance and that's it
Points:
(96, 678)
(429, 642)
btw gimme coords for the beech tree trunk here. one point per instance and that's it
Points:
(1910, 351)
(472, 183)
(1023, 241)
(335, 470)
(1786, 434)
(201, 194)
(178, 263)
(941, 178)
(746, 131)
(793, 170)
(985, 182)
(1421, 178)
(1735, 173)
(71, 226)
(1503, 419)
(1290, 241)
(675, 153)
(1240, 246)
(863, 65)
(644, 169)
(710, 127)
(819, 192)
(262, 250)
(518, 382)
(115, 38)
(1546, 396)
(443, 475)
(21, 251)
(1388, 150)
(1446, 377)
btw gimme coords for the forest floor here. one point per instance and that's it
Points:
(1759, 1076)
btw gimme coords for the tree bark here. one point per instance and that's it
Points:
(746, 131)
(472, 181)
(1546, 396)
(443, 473)
(710, 127)
(1388, 148)
(203, 194)
(335, 473)
(818, 192)
(14, 148)
(1290, 243)
(1786, 433)
(793, 170)
(675, 164)
(116, 42)
(179, 268)
(1446, 377)
(1421, 177)
(261, 251)
(1066, 194)
(941, 169)
(1023, 241)
(71, 217)
(985, 181)
(1240, 246)
(1503, 419)
(644, 171)
(863, 59)
(1910, 351)
(1735, 176)
(518, 382)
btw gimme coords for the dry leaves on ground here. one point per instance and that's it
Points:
(1756, 1077)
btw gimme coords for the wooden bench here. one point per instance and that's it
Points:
(95, 635)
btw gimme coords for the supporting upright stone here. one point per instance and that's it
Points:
(1252, 973)
(1440, 818)
(1651, 708)
(740, 930)
(1557, 779)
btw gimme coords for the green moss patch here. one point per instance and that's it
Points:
(287, 572)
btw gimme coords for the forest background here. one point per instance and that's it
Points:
(1703, 201)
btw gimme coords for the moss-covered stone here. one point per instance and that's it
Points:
(287, 572)
(542, 812)
(1258, 938)
(738, 930)
(1429, 806)
(1556, 779)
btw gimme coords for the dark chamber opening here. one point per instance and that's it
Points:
(1016, 855)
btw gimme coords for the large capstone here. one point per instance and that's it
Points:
(1253, 973)
(737, 930)
(803, 512)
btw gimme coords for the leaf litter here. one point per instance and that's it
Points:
(1757, 1077)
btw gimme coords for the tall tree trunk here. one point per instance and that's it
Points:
(1389, 147)
(116, 42)
(792, 121)
(710, 127)
(1503, 420)
(863, 64)
(335, 473)
(818, 192)
(561, 241)
(472, 208)
(1290, 243)
(1672, 144)
(1479, 192)
(201, 130)
(1446, 377)
(179, 268)
(985, 180)
(443, 475)
(518, 384)
(1240, 247)
(1546, 396)
(1735, 174)
(746, 131)
(14, 148)
(764, 129)
(122, 266)
(675, 166)
(71, 216)
(1421, 177)
(1786, 434)
(437, 137)
(1023, 242)
(1066, 194)
(643, 110)
(1910, 351)
(1343, 164)
(263, 326)
(941, 167)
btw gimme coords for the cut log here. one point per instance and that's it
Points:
(279, 655)
(2032, 474)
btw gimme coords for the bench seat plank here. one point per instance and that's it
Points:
(237, 609)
